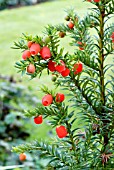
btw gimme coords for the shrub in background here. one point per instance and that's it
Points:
(90, 94)
(14, 3)
(14, 98)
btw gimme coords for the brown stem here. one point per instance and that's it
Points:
(101, 58)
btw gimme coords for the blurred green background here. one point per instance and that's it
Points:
(31, 20)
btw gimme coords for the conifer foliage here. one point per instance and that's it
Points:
(89, 82)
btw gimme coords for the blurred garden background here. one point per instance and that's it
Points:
(18, 93)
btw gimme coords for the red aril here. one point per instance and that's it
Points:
(22, 157)
(35, 49)
(78, 67)
(45, 53)
(26, 54)
(38, 119)
(31, 68)
(29, 44)
(81, 48)
(47, 100)
(112, 36)
(70, 25)
(59, 97)
(66, 72)
(60, 67)
(61, 131)
(51, 65)
(96, 0)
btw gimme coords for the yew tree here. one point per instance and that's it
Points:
(87, 82)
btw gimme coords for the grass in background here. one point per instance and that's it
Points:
(31, 20)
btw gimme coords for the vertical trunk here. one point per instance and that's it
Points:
(101, 57)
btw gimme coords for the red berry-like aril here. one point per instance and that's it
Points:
(96, 0)
(81, 48)
(79, 42)
(35, 49)
(60, 67)
(61, 131)
(80, 45)
(22, 157)
(45, 53)
(78, 67)
(60, 97)
(51, 65)
(112, 36)
(47, 100)
(65, 73)
(38, 119)
(26, 54)
(70, 25)
(29, 44)
(31, 68)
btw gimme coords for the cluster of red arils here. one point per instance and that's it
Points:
(45, 53)
(49, 99)
(60, 68)
(35, 49)
(46, 101)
